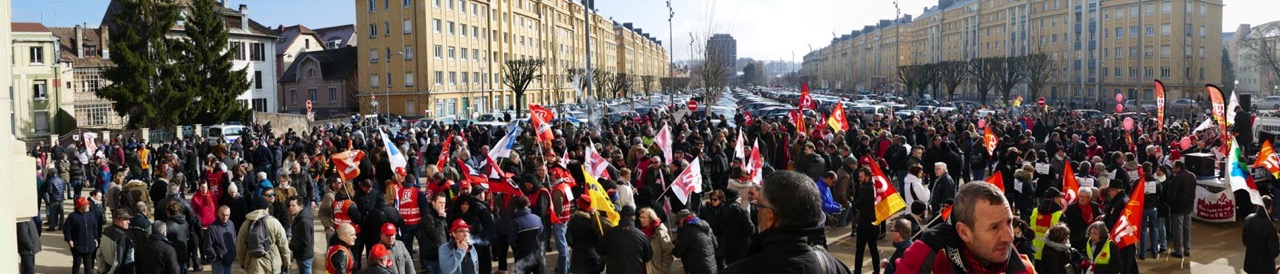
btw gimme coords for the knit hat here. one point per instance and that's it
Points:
(81, 202)
(379, 251)
(584, 202)
(683, 214)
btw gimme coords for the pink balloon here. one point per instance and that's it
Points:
(1119, 98)
(982, 123)
(1119, 108)
(1185, 142)
(1128, 123)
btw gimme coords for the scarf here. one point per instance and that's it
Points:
(1086, 211)
(649, 230)
(976, 267)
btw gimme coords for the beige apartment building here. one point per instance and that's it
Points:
(1099, 48)
(446, 57)
(864, 59)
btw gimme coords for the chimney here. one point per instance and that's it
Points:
(79, 41)
(244, 16)
(104, 39)
(222, 3)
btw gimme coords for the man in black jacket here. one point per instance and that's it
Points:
(789, 208)
(154, 254)
(81, 232)
(628, 246)
(944, 188)
(433, 232)
(301, 240)
(220, 242)
(1261, 245)
(733, 228)
(1181, 195)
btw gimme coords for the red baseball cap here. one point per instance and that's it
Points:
(81, 202)
(459, 224)
(379, 251)
(388, 229)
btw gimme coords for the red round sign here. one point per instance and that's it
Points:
(1041, 101)
(693, 105)
(308, 105)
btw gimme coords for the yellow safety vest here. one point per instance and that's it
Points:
(1040, 224)
(1102, 258)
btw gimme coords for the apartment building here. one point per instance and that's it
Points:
(864, 59)
(1099, 48)
(446, 57)
(38, 93)
(88, 52)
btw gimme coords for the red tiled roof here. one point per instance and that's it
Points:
(28, 27)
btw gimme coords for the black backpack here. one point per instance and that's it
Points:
(259, 239)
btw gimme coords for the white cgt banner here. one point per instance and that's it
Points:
(1215, 207)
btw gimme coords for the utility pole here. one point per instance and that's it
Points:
(671, 74)
(897, 38)
(587, 6)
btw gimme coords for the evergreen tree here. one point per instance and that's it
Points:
(211, 74)
(146, 84)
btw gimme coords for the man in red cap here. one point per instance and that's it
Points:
(81, 231)
(402, 261)
(458, 256)
(381, 260)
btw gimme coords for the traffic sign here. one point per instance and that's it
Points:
(693, 105)
(308, 105)
(311, 116)
(1041, 101)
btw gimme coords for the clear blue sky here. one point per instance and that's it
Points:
(764, 29)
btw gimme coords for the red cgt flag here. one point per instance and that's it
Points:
(347, 163)
(444, 152)
(1130, 223)
(1070, 187)
(797, 118)
(806, 101)
(539, 116)
(989, 140)
(997, 180)
(1268, 159)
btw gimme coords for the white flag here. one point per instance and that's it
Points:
(663, 140)
(1232, 104)
(594, 163)
(1208, 122)
(394, 156)
(689, 181)
(504, 146)
(738, 150)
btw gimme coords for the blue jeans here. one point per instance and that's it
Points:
(562, 246)
(221, 269)
(304, 266)
(1153, 235)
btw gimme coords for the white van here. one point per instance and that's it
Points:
(229, 133)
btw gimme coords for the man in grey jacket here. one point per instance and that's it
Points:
(403, 261)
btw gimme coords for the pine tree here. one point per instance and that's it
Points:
(145, 83)
(211, 73)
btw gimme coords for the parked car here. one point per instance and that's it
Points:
(1269, 103)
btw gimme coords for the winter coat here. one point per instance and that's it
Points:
(1261, 245)
(696, 247)
(83, 229)
(1073, 215)
(938, 244)
(943, 189)
(865, 203)
(583, 234)
(220, 243)
(661, 244)
(433, 232)
(155, 255)
(829, 204)
(1181, 193)
(733, 229)
(525, 239)
(1054, 258)
(179, 235)
(302, 239)
(782, 250)
(451, 258)
(278, 253)
(626, 249)
(29, 238)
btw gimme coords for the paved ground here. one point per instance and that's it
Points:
(1217, 249)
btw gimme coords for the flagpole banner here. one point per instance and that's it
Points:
(1215, 207)
(1159, 105)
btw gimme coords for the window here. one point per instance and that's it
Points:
(386, 28)
(1133, 72)
(439, 52)
(406, 3)
(1133, 11)
(1119, 32)
(475, 32)
(450, 4)
(312, 93)
(452, 52)
(408, 26)
(1201, 31)
(386, 4)
(1148, 51)
(1117, 72)
(1166, 7)
(1204, 10)
(1201, 52)
(1150, 30)
(474, 8)
(40, 90)
(1133, 31)
(1187, 51)
(475, 77)
(435, 24)
(257, 79)
(373, 56)
(1120, 13)
(453, 78)
(1164, 72)
(389, 80)
(1165, 51)
(1148, 72)
(408, 79)
(37, 55)
(464, 78)
(372, 5)
(464, 30)
(463, 6)
(464, 53)
(475, 55)
(258, 52)
(1149, 9)
(1133, 52)
(237, 49)
(451, 28)
(435, 4)
(373, 30)
(408, 53)
(333, 94)
(1165, 29)
(373, 80)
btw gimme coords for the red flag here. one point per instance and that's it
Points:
(689, 181)
(1267, 158)
(347, 163)
(838, 120)
(797, 118)
(1159, 105)
(1219, 110)
(945, 213)
(888, 201)
(538, 117)
(1129, 225)
(1070, 187)
(806, 101)
(444, 152)
(989, 140)
(747, 115)
(756, 163)
(996, 180)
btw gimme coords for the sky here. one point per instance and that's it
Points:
(764, 29)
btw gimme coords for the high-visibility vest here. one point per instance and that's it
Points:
(1040, 224)
(1103, 257)
(408, 206)
(333, 250)
(341, 215)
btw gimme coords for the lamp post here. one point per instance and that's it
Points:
(671, 74)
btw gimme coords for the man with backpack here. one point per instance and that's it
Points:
(115, 249)
(262, 246)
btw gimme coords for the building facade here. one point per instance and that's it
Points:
(38, 88)
(87, 51)
(446, 57)
(337, 36)
(1099, 48)
(327, 78)
(723, 49)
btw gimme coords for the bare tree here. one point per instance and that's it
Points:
(1010, 74)
(1039, 70)
(518, 74)
(603, 81)
(929, 77)
(951, 74)
(1261, 46)
(621, 85)
(984, 72)
(647, 82)
(910, 77)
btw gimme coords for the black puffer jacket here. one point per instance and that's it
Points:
(696, 247)
(179, 235)
(155, 255)
(733, 229)
(786, 251)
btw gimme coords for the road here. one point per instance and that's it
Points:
(1217, 249)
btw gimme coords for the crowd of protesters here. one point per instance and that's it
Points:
(251, 205)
